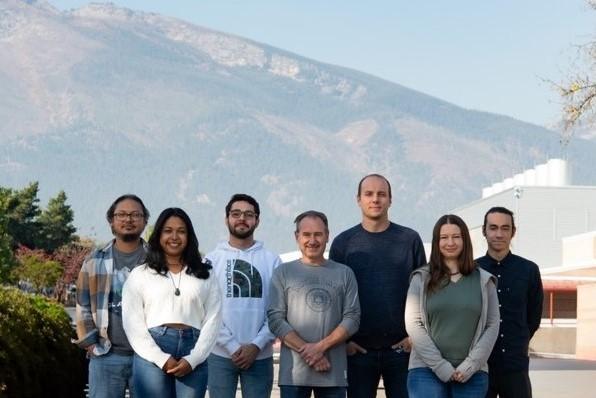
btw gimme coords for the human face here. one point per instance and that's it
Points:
(374, 200)
(242, 220)
(128, 221)
(312, 238)
(173, 238)
(451, 243)
(498, 232)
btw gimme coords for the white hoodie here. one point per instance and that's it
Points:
(244, 277)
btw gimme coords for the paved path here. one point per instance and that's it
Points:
(551, 378)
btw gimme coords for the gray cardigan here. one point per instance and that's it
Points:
(424, 351)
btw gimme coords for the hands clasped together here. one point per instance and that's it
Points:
(177, 368)
(314, 355)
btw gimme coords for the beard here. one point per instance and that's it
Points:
(127, 237)
(241, 234)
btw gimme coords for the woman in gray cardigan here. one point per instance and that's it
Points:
(452, 317)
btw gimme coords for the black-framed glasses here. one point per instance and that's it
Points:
(122, 215)
(248, 214)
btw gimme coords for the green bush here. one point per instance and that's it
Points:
(37, 357)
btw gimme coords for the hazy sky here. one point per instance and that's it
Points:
(485, 55)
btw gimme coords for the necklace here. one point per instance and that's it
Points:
(176, 288)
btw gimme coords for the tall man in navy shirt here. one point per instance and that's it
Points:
(520, 296)
(382, 255)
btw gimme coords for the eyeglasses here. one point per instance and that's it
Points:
(239, 213)
(135, 215)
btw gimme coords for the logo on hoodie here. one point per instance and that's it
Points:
(243, 280)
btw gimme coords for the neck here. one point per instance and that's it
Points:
(127, 247)
(375, 225)
(453, 266)
(241, 244)
(174, 264)
(498, 255)
(316, 262)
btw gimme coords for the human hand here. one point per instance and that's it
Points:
(405, 345)
(311, 353)
(182, 368)
(457, 376)
(322, 365)
(170, 363)
(89, 350)
(353, 348)
(245, 356)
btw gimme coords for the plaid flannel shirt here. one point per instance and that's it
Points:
(93, 292)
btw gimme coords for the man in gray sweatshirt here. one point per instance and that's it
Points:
(313, 309)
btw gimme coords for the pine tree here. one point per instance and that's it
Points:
(55, 224)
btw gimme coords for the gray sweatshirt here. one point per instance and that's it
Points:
(425, 353)
(312, 301)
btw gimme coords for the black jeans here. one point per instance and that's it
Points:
(365, 371)
(509, 385)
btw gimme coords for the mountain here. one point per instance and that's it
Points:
(102, 100)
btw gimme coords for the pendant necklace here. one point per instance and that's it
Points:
(176, 288)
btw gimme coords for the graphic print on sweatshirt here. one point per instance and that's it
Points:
(243, 280)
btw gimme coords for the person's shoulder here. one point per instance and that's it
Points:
(522, 260)
(402, 229)
(348, 233)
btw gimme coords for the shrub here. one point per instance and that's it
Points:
(37, 357)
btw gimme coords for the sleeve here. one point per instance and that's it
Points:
(277, 309)
(87, 332)
(351, 314)
(419, 253)
(535, 301)
(335, 252)
(423, 345)
(479, 354)
(133, 321)
(211, 325)
(264, 335)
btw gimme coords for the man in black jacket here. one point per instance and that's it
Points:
(520, 296)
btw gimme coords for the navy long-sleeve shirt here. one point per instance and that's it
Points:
(520, 295)
(382, 263)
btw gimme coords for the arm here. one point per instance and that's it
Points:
(133, 320)
(211, 324)
(277, 309)
(87, 333)
(422, 343)
(535, 301)
(419, 253)
(480, 352)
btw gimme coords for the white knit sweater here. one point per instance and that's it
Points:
(148, 300)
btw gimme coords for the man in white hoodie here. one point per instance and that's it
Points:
(244, 269)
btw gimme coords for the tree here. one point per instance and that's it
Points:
(35, 267)
(579, 92)
(71, 256)
(7, 260)
(20, 209)
(55, 224)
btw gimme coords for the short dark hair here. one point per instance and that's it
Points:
(314, 214)
(242, 197)
(498, 209)
(190, 256)
(128, 196)
(374, 175)
(439, 272)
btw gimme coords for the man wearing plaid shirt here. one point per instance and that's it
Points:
(99, 297)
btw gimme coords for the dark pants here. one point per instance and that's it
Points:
(305, 392)
(508, 385)
(365, 371)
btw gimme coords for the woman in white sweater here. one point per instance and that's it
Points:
(171, 309)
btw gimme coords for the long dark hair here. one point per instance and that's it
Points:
(439, 273)
(190, 256)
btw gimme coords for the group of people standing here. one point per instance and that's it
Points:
(161, 321)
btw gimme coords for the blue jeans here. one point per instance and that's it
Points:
(256, 381)
(423, 383)
(304, 392)
(151, 381)
(110, 375)
(365, 371)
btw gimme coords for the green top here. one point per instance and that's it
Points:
(453, 313)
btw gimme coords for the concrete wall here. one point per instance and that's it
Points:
(586, 322)
(554, 340)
